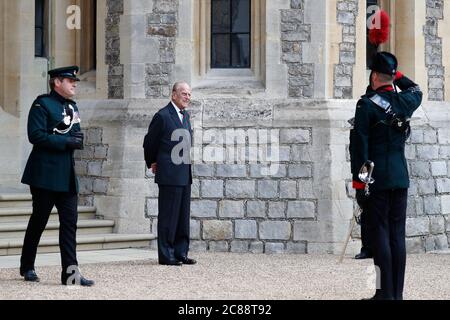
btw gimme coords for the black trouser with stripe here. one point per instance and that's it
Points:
(43, 202)
(174, 206)
(387, 219)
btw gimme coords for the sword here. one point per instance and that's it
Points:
(365, 175)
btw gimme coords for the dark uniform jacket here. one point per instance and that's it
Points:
(51, 164)
(377, 136)
(158, 147)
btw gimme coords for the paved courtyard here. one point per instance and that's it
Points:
(134, 274)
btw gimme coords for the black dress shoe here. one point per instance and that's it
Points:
(80, 281)
(378, 296)
(186, 260)
(171, 263)
(363, 255)
(75, 279)
(30, 276)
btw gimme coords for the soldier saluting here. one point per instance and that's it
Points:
(380, 131)
(54, 131)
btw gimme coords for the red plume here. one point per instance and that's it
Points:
(379, 29)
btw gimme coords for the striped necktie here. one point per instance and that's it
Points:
(185, 119)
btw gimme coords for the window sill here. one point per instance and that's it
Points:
(229, 81)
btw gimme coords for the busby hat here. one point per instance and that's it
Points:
(384, 62)
(65, 72)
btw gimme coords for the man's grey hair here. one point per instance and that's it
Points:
(178, 85)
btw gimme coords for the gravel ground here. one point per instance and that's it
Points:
(225, 276)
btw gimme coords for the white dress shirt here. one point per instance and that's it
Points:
(178, 110)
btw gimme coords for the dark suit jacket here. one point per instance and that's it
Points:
(51, 164)
(158, 147)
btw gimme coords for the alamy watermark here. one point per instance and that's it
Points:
(228, 146)
(73, 21)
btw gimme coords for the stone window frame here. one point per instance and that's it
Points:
(202, 29)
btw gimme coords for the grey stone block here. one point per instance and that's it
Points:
(410, 151)
(426, 187)
(296, 247)
(101, 152)
(443, 185)
(195, 229)
(347, 57)
(95, 168)
(438, 168)
(256, 209)
(231, 171)
(277, 209)
(245, 229)
(288, 189)
(429, 136)
(301, 153)
(238, 246)
(420, 169)
(231, 209)
(411, 208)
(198, 246)
(267, 189)
(419, 226)
(441, 242)
(444, 136)
(445, 204)
(285, 153)
(415, 245)
(444, 152)
(428, 152)
(274, 248)
(346, 17)
(432, 205)
(204, 170)
(290, 136)
(195, 189)
(100, 186)
(437, 225)
(272, 170)
(94, 136)
(203, 209)
(217, 230)
(218, 246)
(275, 230)
(300, 171)
(151, 208)
(306, 189)
(153, 189)
(430, 245)
(417, 136)
(212, 188)
(81, 167)
(240, 189)
(301, 209)
(256, 247)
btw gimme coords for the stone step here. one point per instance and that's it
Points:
(21, 214)
(92, 226)
(9, 200)
(84, 243)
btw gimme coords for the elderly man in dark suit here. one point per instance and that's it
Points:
(167, 152)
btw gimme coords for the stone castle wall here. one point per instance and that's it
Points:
(304, 207)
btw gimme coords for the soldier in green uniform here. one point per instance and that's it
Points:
(381, 129)
(54, 130)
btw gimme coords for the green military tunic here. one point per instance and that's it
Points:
(51, 163)
(378, 137)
